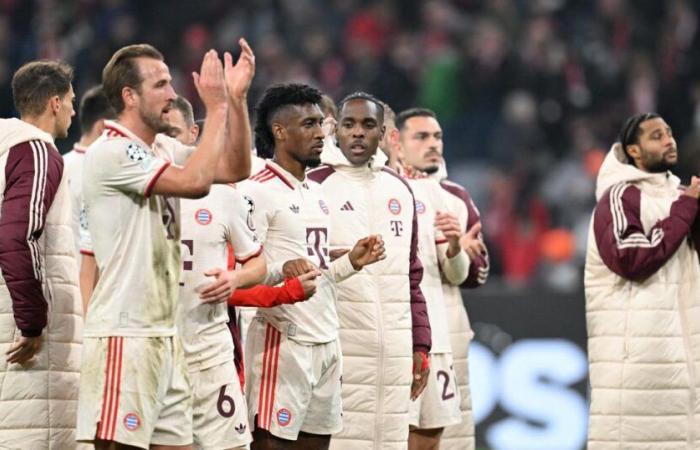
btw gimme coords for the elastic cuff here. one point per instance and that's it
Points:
(31, 333)
(421, 349)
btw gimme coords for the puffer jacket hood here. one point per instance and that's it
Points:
(615, 169)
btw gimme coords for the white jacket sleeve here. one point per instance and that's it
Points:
(455, 269)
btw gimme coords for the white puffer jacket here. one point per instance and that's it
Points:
(642, 282)
(461, 436)
(374, 306)
(38, 401)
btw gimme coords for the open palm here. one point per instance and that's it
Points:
(239, 76)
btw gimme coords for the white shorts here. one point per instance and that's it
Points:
(220, 417)
(438, 405)
(134, 391)
(292, 387)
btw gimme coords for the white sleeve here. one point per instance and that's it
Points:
(127, 166)
(455, 269)
(240, 226)
(261, 209)
(341, 269)
(84, 234)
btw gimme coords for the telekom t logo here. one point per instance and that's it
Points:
(396, 227)
(317, 245)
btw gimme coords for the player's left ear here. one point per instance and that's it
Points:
(55, 104)
(279, 132)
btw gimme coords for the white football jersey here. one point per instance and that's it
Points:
(292, 221)
(135, 235)
(73, 166)
(209, 224)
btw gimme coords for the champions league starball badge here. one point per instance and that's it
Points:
(136, 153)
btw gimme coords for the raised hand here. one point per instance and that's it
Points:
(471, 242)
(210, 82)
(694, 189)
(367, 251)
(239, 76)
(226, 281)
(449, 226)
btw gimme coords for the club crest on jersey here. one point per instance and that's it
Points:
(132, 422)
(420, 207)
(284, 417)
(394, 206)
(323, 206)
(203, 216)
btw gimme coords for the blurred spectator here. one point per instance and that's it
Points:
(527, 90)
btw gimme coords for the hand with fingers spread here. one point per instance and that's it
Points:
(210, 82)
(471, 242)
(297, 267)
(421, 370)
(694, 189)
(226, 281)
(308, 282)
(239, 76)
(23, 349)
(367, 251)
(448, 225)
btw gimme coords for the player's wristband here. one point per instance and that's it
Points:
(425, 361)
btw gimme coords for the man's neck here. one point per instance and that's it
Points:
(134, 124)
(87, 139)
(291, 165)
(43, 122)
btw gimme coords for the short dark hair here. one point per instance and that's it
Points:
(403, 116)
(121, 71)
(630, 131)
(275, 98)
(185, 107)
(36, 82)
(363, 96)
(94, 106)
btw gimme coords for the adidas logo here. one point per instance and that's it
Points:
(294, 209)
(240, 428)
(347, 206)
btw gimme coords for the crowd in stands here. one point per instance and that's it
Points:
(530, 92)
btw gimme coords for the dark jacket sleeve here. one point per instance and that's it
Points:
(624, 246)
(32, 173)
(422, 340)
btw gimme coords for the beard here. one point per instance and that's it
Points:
(431, 169)
(660, 166)
(154, 121)
(311, 162)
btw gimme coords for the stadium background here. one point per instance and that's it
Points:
(530, 95)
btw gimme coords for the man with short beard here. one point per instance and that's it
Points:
(642, 279)
(134, 390)
(416, 143)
